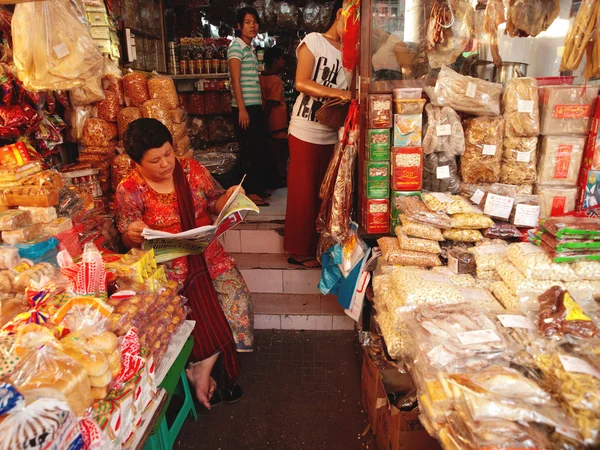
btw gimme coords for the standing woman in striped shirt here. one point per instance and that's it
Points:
(251, 126)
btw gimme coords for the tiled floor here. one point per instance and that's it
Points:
(302, 391)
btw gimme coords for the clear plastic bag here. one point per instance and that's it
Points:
(463, 235)
(14, 219)
(395, 255)
(287, 15)
(91, 91)
(98, 133)
(567, 110)
(488, 257)
(556, 200)
(534, 263)
(482, 159)
(156, 109)
(521, 108)
(505, 296)
(311, 16)
(113, 81)
(163, 88)
(461, 261)
(418, 244)
(125, 117)
(419, 230)
(440, 173)
(450, 204)
(519, 160)
(518, 283)
(471, 221)
(415, 210)
(466, 94)
(135, 88)
(52, 49)
(415, 287)
(444, 131)
(587, 270)
(560, 160)
(526, 212)
(108, 108)
(502, 230)
(573, 228)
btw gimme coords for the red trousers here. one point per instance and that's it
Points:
(308, 164)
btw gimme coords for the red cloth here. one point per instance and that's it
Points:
(308, 164)
(211, 333)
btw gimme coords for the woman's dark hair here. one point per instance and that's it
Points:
(145, 134)
(242, 12)
(339, 4)
(272, 54)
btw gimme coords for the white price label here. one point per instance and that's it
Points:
(498, 206)
(442, 172)
(453, 263)
(527, 215)
(478, 337)
(516, 321)
(572, 364)
(477, 196)
(441, 197)
(525, 106)
(527, 248)
(489, 150)
(471, 90)
(61, 50)
(524, 157)
(444, 130)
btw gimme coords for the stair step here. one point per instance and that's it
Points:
(254, 238)
(309, 304)
(270, 261)
(302, 322)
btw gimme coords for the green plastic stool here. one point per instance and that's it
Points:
(175, 383)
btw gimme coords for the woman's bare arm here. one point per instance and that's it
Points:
(305, 83)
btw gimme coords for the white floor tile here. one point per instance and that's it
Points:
(343, 323)
(301, 281)
(267, 322)
(261, 241)
(323, 323)
(298, 322)
(232, 241)
(267, 281)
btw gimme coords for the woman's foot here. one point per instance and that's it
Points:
(258, 201)
(204, 385)
(232, 396)
(305, 261)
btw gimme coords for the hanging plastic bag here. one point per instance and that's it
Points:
(52, 49)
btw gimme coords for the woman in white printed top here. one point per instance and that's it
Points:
(251, 126)
(319, 77)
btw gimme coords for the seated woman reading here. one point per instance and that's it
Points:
(168, 194)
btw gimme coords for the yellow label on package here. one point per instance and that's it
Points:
(574, 311)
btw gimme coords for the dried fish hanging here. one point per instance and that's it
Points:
(494, 17)
(592, 65)
(581, 36)
(526, 18)
(336, 190)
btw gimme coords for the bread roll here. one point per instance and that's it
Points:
(99, 393)
(116, 369)
(94, 362)
(106, 342)
(101, 381)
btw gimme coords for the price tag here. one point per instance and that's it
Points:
(478, 337)
(525, 106)
(489, 150)
(442, 172)
(524, 157)
(444, 130)
(477, 196)
(527, 215)
(572, 364)
(61, 50)
(498, 206)
(471, 90)
(453, 263)
(515, 321)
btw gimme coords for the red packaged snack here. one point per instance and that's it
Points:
(184, 101)
(407, 168)
(114, 84)
(109, 107)
(212, 103)
(135, 87)
(380, 111)
(196, 103)
(376, 216)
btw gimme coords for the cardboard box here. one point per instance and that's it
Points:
(377, 179)
(377, 145)
(370, 380)
(407, 168)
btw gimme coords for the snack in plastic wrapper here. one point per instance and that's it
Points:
(440, 173)
(409, 106)
(125, 117)
(560, 160)
(502, 230)
(415, 210)
(14, 219)
(556, 200)
(114, 83)
(22, 235)
(487, 257)
(177, 115)
(461, 261)
(466, 94)
(98, 133)
(519, 160)
(156, 109)
(108, 108)
(396, 337)
(451, 204)
(380, 111)
(567, 110)
(135, 88)
(395, 255)
(9, 258)
(471, 221)
(419, 230)
(444, 132)
(418, 244)
(481, 162)
(41, 215)
(521, 108)
(459, 235)
(415, 287)
(505, 296)
(163, 88)
(58, 226)
(519, 284)
(533, 262)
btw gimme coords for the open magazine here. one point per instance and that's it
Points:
(168, 246)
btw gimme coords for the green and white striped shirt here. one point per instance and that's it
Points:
(238, 49)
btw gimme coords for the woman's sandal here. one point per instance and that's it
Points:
(309, 263)
(258, 201)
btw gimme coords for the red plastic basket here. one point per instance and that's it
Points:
(554, 81)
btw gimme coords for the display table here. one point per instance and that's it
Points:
(169, 373)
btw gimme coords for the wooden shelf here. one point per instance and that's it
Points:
(204, 76)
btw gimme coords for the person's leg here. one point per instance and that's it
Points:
(235, 300)
(305, 174)
(243, 136)
(199, 375)
(263, 164)
(281, 155)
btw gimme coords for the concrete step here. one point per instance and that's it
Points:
(299, 312)
(271, 273)
(252, 237)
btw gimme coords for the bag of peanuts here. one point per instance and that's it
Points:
(135, 88)
(163, 88)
